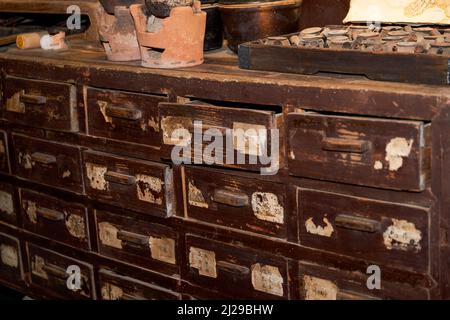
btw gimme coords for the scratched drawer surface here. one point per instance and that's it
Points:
(8, 208)
(148, 245)
(124, 116)
(142, 186)
(236, 201)
(4, 158)
(54, 218)
(323, 283)
(242, 136)
(391, 154)
(114, 286)
(382, 232)
(50, 163)
(11, 269)
(238, 271)
(59, 275)
(41, 104)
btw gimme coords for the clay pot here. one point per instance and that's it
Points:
(110, 4)
(214, 26)
(252, 20)
(162, 8)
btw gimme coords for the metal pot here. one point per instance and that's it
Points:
(214, 26)
(249, 20)
(110, 4)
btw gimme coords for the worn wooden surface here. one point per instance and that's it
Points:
(229, 226)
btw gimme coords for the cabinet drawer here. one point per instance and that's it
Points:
(119, 287)
(142, 186)
(49, 163)
(235, 201)
(4, 158)
(55, 219)
(383, 232)
(41, 104)
(124, 116)
(238, 271)
(148, 245)
(391, 154)
(241, 136)
(11, 269)
(8, 208)
(323, 283)
(50, 272)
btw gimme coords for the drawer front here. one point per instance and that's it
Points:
(41, 104)
(55, 219)
(124, 116)
(389, 154)
(118, 287)
(4, 158)
(8, 208)
(57, 274)
(146, 244)
(323, 283)
(223, 136)
(382, 232)
(11, 269)
(240, 272)
(235, 201)
(142, 186)
(54, 164)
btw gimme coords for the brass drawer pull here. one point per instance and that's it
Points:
(55, 271)
(345, 145)
(232, 268)
(230, 198)
(32, 99)
(119, 178)
(43, 158)
(357, 223)
(133, 238)
(50, 214)
(123, 113)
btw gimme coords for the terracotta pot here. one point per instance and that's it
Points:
(214, 26)
(251, 20)
(110, 4)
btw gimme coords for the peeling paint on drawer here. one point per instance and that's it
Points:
(108, 235)
(37, 267)
(266, 207)
(111, 292)
(102, 106)
(25, 160)
(96, 175)
(319, 289)
(148, 189)
(250, 139)
(324, 231)
(195, 197)
(9, 256)
(204, 261)
(176, 130)
(76, 226)
(402, 235)
(30, 208)
(396, 150)
(267, 279)
(13, 104)
(6, 203)
(163, 249)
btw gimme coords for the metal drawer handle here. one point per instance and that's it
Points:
(55, 271)
(43, 158)
(50, 214)
(33, 99)
(133, 238)
(232, 268)
(345, 145)
(230, 198)
(357, 223)
(123, 113)
(119, 178)
(205, 127)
